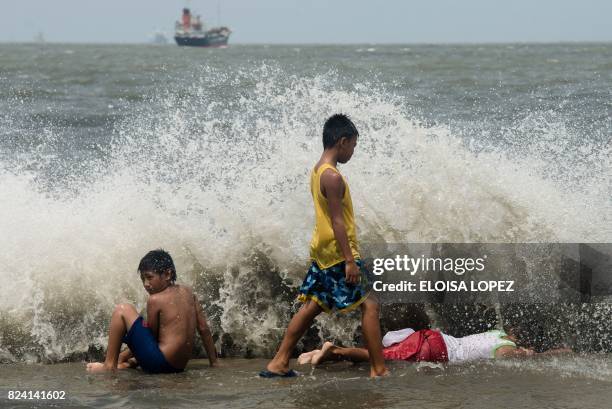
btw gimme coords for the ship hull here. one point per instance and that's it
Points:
(207, 41)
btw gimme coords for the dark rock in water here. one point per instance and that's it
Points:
(593, 327)
(16, 339)
(460, 320)
(398, 316)
(243, 299)
(94, 354)
(229, 348)
(310, 341)
(536, 326)
(240, 299)
(583, 327)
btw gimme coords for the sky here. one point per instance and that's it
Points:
(314, 21)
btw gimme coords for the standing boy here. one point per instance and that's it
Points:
(337, 277)
(162, 344)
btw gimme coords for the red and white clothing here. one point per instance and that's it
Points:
(435, 346)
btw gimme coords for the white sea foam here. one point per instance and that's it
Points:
(222, 173)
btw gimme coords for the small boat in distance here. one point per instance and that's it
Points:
(158, 37)
(192, 32)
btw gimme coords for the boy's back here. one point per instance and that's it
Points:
(174, 311)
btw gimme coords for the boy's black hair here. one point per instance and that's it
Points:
(157, 261)
(336, 127)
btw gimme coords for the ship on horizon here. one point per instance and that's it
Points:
(191, 32)
(158, 37)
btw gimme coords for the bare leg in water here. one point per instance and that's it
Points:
(121, 322)
(300, 322)
(370, 324)
(371, 332)
(331, 352)
(303, 320)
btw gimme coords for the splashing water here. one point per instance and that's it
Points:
(217, 174)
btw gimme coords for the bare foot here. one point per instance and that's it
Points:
(277, 368)
(379, 374)
(95, 367)
(130, 363)
(324, 354)
(306, 357)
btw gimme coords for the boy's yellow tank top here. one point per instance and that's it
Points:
(324, 248)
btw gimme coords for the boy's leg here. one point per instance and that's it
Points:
(122, 319)
(298, 325)
(330, 352)
(370, 325)
(352, 354)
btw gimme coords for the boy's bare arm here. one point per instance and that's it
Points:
(513, 352)
(205, 333)
(333, 186)
(557, 351)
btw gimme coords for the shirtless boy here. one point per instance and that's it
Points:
(163, 343)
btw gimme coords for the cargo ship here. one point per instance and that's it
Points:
(191, 32)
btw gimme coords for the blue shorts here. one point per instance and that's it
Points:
(328, 287)
(143, 345)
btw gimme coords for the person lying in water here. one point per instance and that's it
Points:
(431, 346)
(163, 343)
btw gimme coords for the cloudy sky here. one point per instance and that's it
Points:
(314, 21)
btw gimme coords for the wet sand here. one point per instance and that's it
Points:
(551, 382)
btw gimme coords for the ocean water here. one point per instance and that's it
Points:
(108, 151)
(545, 383)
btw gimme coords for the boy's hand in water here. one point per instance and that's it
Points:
(557, 351)
(352, 273)
(217, 364)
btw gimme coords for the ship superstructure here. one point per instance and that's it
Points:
(191, 31)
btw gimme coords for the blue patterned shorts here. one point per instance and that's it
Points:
(328, 287)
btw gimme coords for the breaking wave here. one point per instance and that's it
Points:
(216, 173)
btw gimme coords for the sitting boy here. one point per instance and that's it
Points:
(163, 343)
(431, 346)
